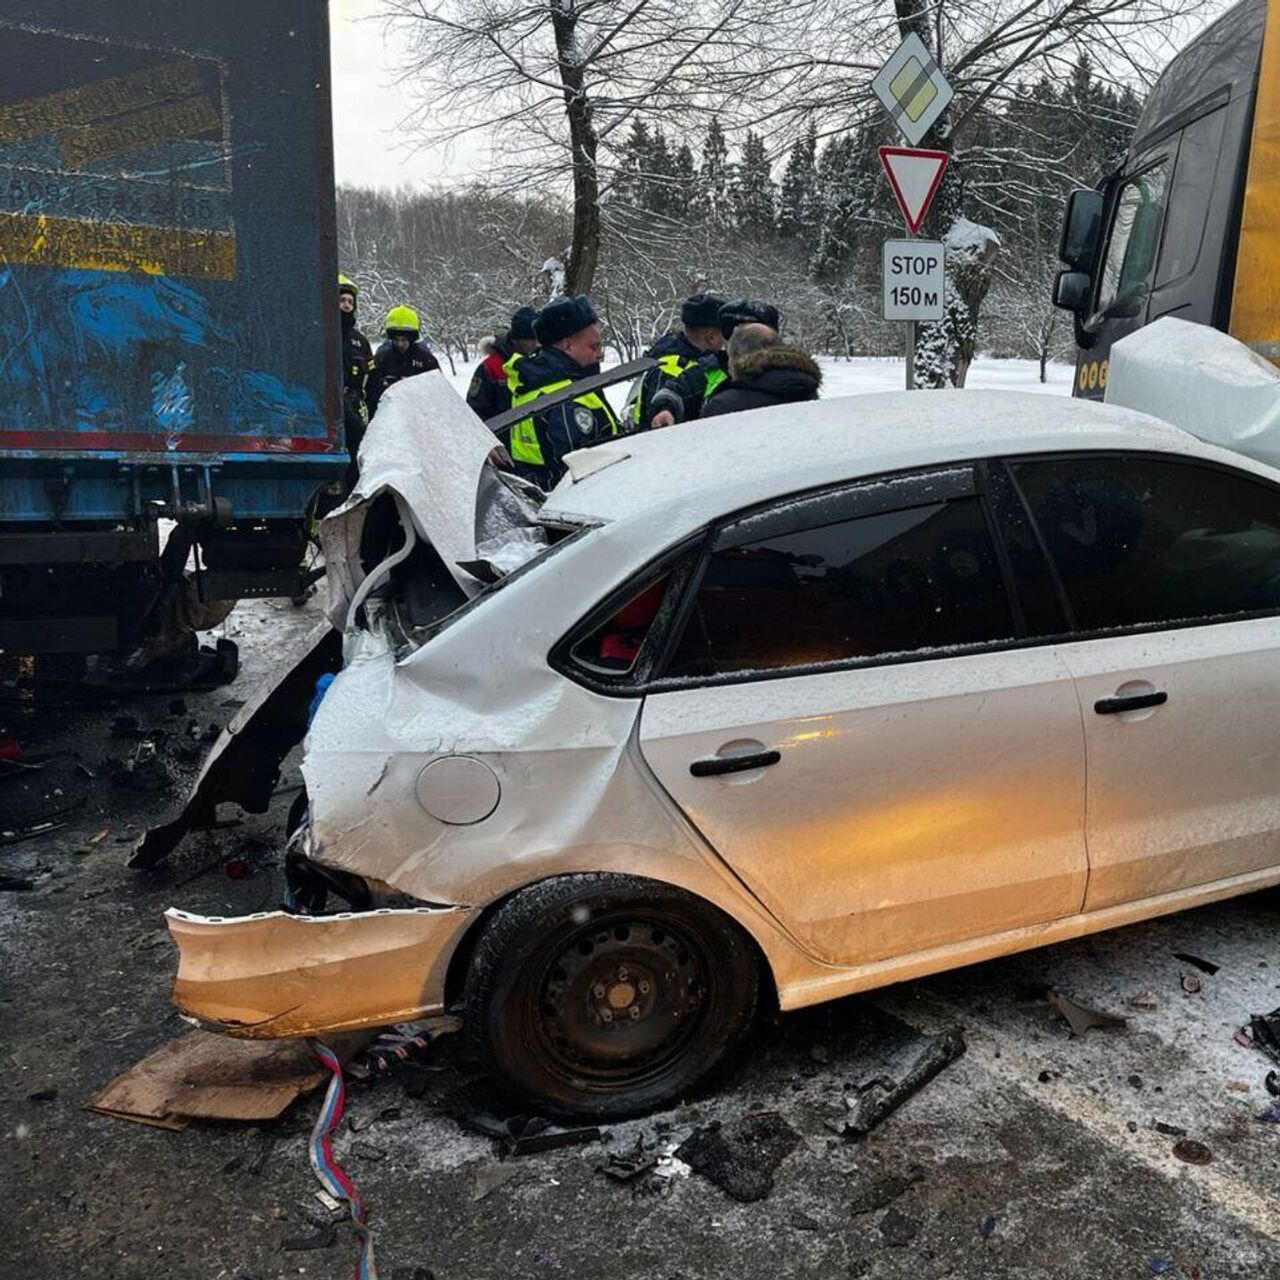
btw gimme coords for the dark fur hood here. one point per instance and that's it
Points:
(780, 357)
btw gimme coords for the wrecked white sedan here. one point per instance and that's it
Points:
(781, 707)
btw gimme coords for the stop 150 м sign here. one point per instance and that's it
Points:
(915, 280)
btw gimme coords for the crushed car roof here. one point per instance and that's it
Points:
(704, 469)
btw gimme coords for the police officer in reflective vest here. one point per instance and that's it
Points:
(682, 399)
(568, 330)
(402, 355)
(675, 353)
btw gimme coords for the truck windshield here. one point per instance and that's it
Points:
(1132, 243)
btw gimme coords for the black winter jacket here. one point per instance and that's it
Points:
(773, 375)
(389, 366)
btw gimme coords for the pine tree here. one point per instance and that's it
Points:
(713, 205)
(685, 171)
(661, 177)
(633, 168)
(798, 201)
(754, 196)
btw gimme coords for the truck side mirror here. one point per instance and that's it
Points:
(1080, 226)
(1071, 290)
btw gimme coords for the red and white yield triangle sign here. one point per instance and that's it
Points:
(914, 176)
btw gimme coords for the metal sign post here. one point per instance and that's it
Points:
(912, 89)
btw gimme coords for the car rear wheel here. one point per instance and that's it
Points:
(604, 996)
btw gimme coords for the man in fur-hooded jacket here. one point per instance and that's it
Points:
(763, 372)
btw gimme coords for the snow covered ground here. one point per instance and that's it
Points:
(870, 373)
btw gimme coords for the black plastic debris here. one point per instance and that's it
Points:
(1264, 1030)
(1080, 1017)
(880, 1097)
(1205, 966)
(987, 1227)
(322, 1238)
(883, 1191)
(1169, 1130)
(628, 1166)
(742, 1156)
(1272, 1083)
(802, 1222)
(529, 1144)
(898, 1230)
(1190, 1151)
(15, 884)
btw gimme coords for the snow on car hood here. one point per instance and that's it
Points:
(1201, 380)
(427, 450)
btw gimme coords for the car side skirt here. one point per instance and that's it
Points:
(834, 983)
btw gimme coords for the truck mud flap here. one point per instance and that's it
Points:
(244, 764)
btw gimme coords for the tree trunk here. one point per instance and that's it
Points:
(584, 253)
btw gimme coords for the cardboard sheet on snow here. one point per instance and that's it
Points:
(206, 1076)
(1203, 381)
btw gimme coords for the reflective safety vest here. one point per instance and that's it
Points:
(525, 446)
(509, 368)
(673, 366)
(714, 378)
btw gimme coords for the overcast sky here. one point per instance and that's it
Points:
(368, 105)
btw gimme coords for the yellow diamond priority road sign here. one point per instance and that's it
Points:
(912, 89)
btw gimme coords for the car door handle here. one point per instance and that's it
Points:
(1130, 702)
(733, 764)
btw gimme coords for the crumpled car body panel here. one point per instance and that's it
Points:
(573, 792)
(273, 975)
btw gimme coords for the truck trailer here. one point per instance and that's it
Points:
(1189, 224)
(170, 398)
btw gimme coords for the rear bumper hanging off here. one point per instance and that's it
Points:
(273, 975)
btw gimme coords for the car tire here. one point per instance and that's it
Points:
(604, 996)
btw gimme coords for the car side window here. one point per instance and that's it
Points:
(1132, 243)
(1139, 541)
(917, 580)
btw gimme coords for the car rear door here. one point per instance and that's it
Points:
(851, 714)
(1170, 568)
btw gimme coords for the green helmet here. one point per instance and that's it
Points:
(402, 320)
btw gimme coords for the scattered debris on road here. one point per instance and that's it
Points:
(1205, 966)
(1192, 1152)
(1080, 1017)
(211, 1077)
(742, 1156)
(875, 1099)
(884, 1191)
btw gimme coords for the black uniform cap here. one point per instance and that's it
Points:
(522, 323)
(747, 311)
(701, 310)
(562, 317)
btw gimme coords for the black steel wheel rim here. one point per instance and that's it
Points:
(620, 999)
